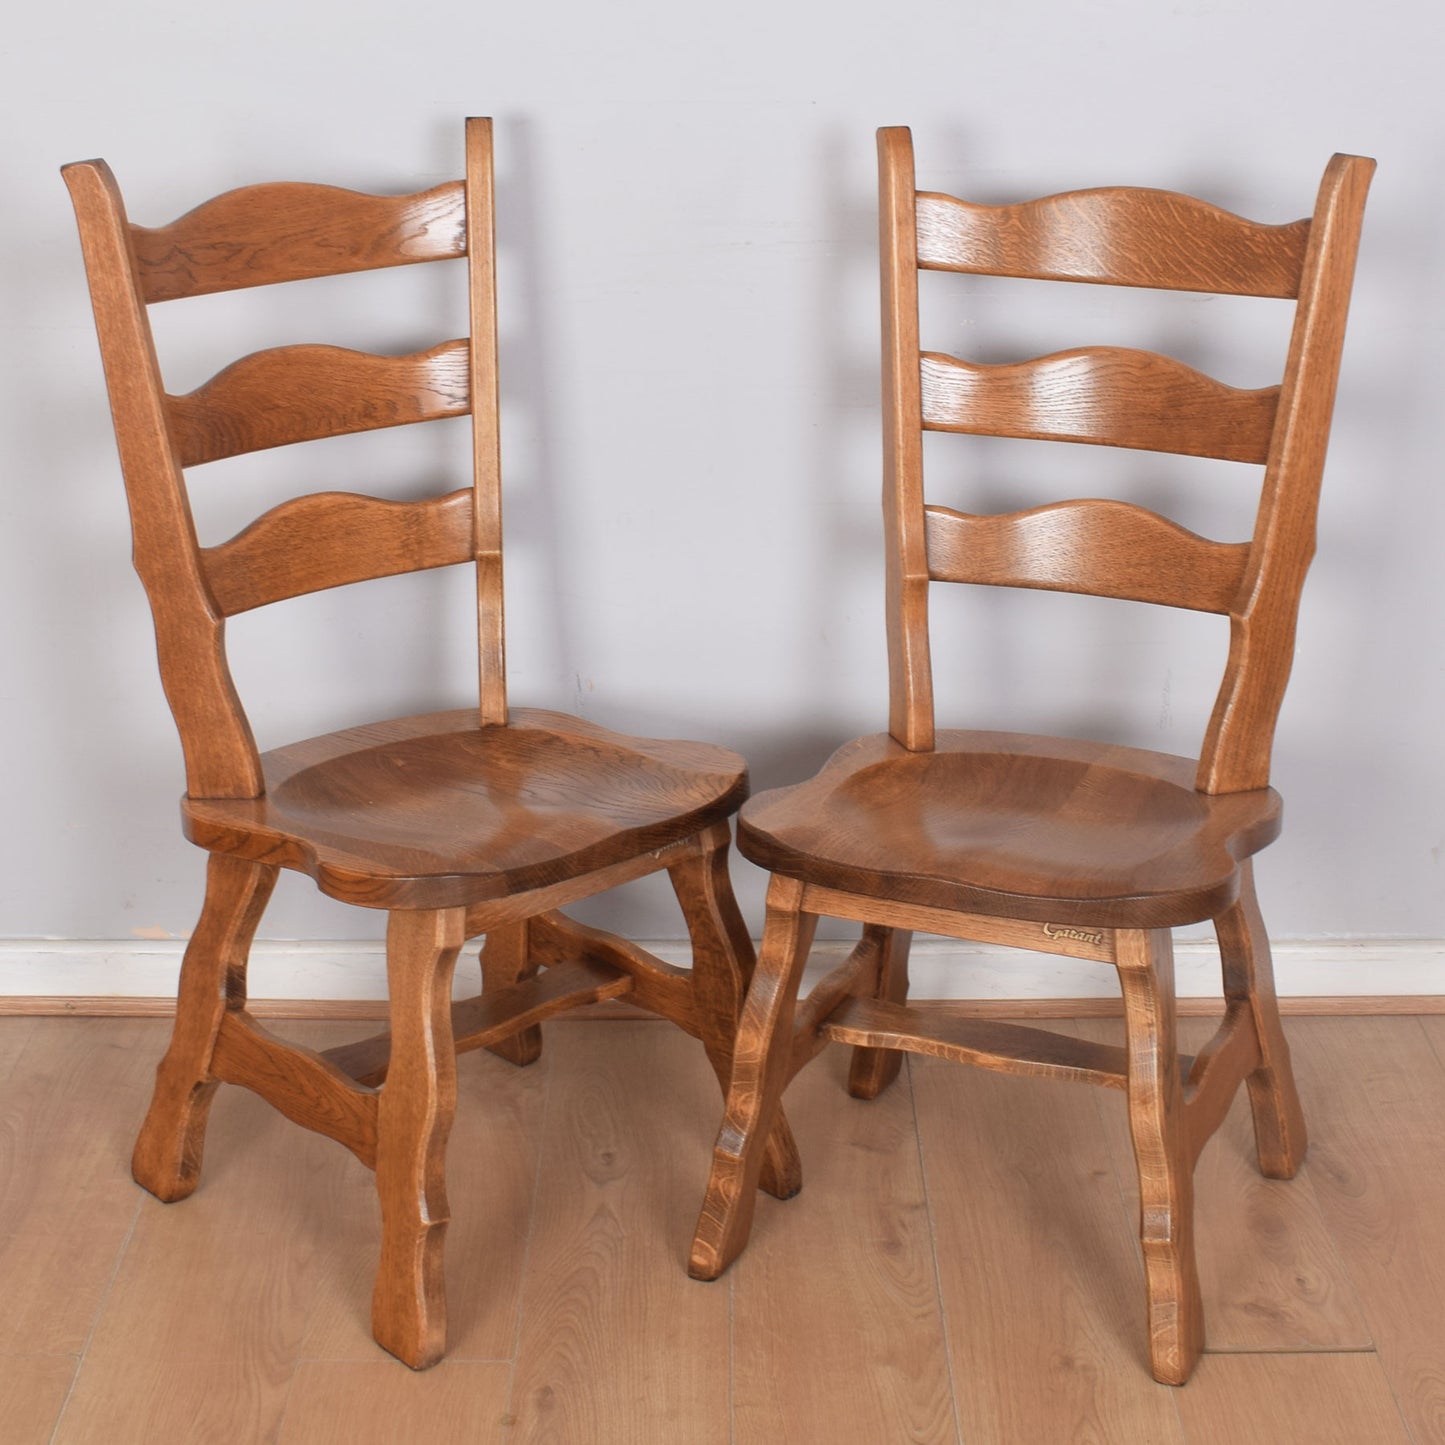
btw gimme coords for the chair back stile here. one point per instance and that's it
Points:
(263, 235)
(1116, 397)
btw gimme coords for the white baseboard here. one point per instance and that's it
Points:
(938, 968)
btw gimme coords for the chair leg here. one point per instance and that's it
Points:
(506, 959)
(418, 1099)
(873, 1070)
(167, 1159)
(1145, 961)
(761, 1062)
(723, 966)
(1280, 1136)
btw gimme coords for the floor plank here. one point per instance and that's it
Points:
(380, 1402)
(491, 1173)
(1043, 1292)
(68, 1114)
(617, 1344)
(1309, 1399)
(1374, 1090)
(32, 1390)
(842, 1276)
(1268, 1269)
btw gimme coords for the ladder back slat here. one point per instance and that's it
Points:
(328, 539)
(1117, 236)
(1102, 548)
(291, 231)
(301, 393)
(1106, 396)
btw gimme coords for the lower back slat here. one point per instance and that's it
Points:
(1105, 549)
(328, 539)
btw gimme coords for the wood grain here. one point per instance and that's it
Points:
(373, 1403)
(616, 1343)
(1059, 832)
(1103, 395)
(302, 393)
(1377, 1091)
(811, 1305)
(32, 1390)
(1041, 1287)
(1106, 549)
(288, 231)
(1114, 234)
(1269, 1272)
(1291, 1400)
(329, 539)
(67, 1111)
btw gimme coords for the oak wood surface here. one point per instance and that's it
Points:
(825, 1330)
(1076, 847)
(474, 821)
(32, 1391)
(1054, 831)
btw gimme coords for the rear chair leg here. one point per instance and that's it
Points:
(873, 1070)
(506, 959)
(761, 1062)
(723, 964)
(1279, 1126)
(1145, 961)
(167, 1159)
(418, 1099)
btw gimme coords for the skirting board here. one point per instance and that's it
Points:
(353, 975)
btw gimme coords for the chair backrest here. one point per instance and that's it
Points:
(1113, 396)
(258, 236)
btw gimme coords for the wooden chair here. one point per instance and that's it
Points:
(477, 821)
(1062, 846)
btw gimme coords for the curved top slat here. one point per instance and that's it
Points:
(1116, 235)
(290, 231)
(1104, 395)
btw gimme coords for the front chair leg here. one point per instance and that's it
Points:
(167, 1159)
(1280, 1137)
(418, 1099)
(1145, 961)
(506, 959)
(873, 1070)
(723, 964)
(762, 1059)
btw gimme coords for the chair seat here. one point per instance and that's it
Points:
(433, 811)
(1016, 826)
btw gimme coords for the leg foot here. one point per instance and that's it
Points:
(167, 1158)
(761, 1061)
(873, 1070)
(1161, 1148)
(723, 963)
(1279, 1126)
(408, 1309)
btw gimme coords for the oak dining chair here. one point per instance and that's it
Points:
(1084, 849)
(485, 820)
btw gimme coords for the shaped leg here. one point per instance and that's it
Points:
(506, 959)
(723, 965)
(167, 1159)
(1280, 1136)
(408, 1308)
(1145, 961)
(761, 1063)
(872, 1070)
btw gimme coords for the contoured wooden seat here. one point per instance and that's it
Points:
(478, 821)
(1062, 846)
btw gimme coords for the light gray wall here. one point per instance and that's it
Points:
(686, 213)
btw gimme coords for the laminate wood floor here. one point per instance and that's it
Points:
(960, 1267)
